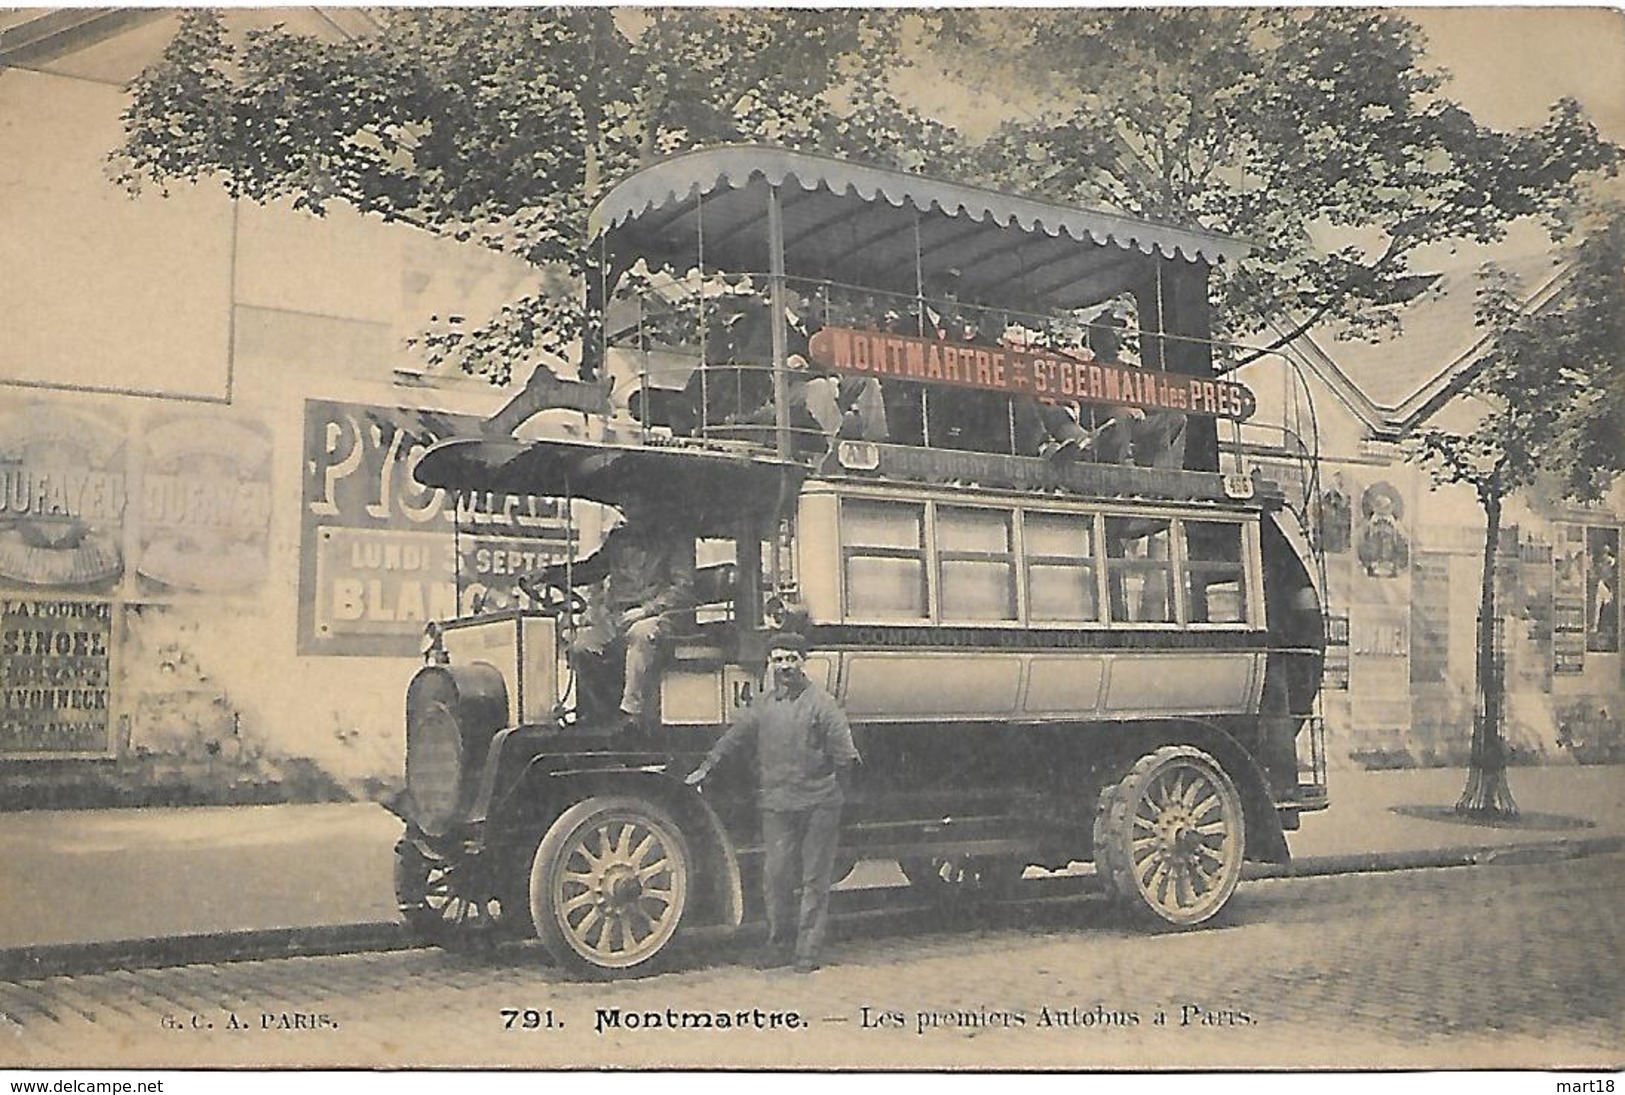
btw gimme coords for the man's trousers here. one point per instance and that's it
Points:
(800, 859)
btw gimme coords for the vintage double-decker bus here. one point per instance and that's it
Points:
(1061, 633)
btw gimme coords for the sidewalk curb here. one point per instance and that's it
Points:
(1472, 855)
(70, 959)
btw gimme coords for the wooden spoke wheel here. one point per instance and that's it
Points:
(445, 902)
(958, 877)
(1170, 836)
(608, 885)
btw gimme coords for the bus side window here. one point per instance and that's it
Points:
(1139, 569)
(1215, 581)
(883, 546)
(1060, 556)
(977, 563)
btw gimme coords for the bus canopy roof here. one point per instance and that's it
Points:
(859, 225)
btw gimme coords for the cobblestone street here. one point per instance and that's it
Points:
(1491, 966)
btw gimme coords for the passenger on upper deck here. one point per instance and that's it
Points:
(959, 418)
(1130, 435)
(733, 377)
(1056, 429)
(823, 404)
(1122, 434)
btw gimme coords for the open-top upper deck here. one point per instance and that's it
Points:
(948, 316)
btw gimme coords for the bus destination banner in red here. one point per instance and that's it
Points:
(1025, 372)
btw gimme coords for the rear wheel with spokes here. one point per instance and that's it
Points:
(609, 884)
(1170, 837)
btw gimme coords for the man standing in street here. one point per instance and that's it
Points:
(804, 757)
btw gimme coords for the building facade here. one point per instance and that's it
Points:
(1404, 556)
(215, 565)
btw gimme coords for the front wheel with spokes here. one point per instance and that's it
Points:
(608, 885)
(1170, 837)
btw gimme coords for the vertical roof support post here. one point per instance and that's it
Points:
(593, 333)
(705, 353)
(643, 374)
(1152, 324)
(1190, 351)
(781, 378)
(1176, 335)
(919, 312)
(748, 568)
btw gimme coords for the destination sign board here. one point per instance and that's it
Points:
(1039, 374)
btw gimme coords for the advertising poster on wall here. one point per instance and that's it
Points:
(63, 494)
(205, 505)
(1531, 662)
(1379, 581)
(90, 503)
(97, 513)
(1602, 590)
(1383, 531)
(56, 663)
(1379, 670)
(1335, 672)
(380, 554)
(1569, 600)
(1336, 517)
(1430, 617)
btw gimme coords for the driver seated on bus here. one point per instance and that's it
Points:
(646, 565)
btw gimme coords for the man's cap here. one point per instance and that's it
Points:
(788, 640)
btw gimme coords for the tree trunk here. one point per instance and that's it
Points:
(1487, 793)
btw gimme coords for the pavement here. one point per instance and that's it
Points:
(97, 888)
(1476, 968)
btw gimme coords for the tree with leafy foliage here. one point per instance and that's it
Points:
(1551, 389)
(1319, 135)
(505, 125)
